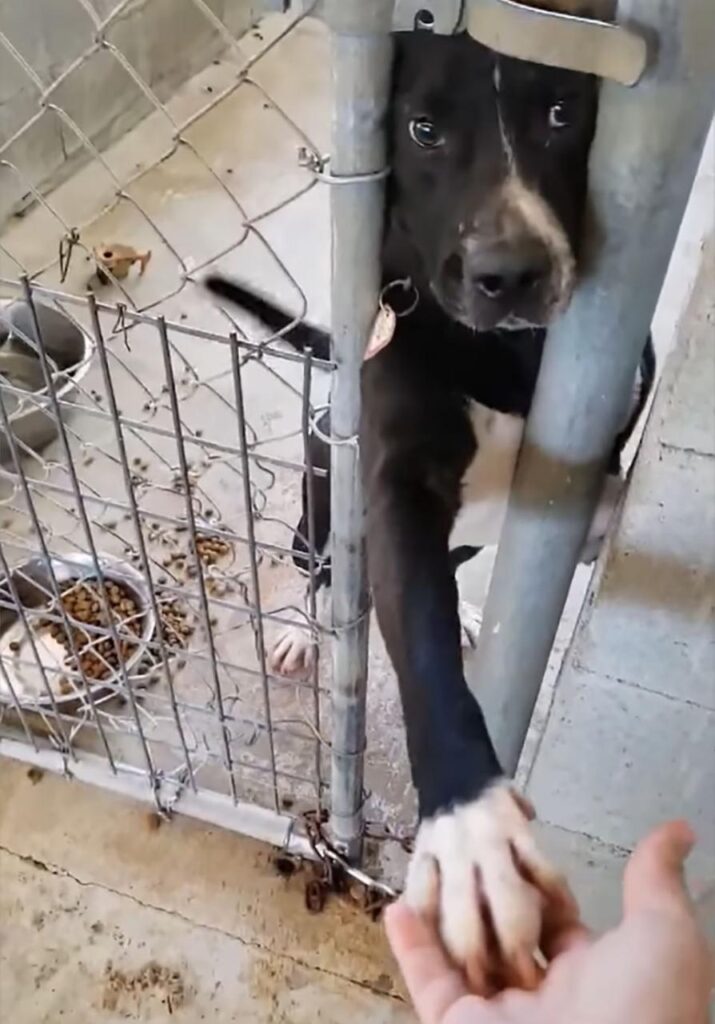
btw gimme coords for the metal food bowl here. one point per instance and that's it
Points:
(34, 590)
(68, 350)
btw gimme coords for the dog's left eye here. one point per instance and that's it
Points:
(558, 116)
(424, 132)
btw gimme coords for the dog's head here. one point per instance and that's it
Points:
(490, 160)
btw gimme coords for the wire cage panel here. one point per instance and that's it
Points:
(152, 444)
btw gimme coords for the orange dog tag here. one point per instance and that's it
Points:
(383, 331)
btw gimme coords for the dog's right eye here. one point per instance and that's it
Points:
(424, 132)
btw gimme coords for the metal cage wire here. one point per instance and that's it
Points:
(206, 513)
(133, 480)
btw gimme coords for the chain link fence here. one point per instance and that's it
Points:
(152, 444)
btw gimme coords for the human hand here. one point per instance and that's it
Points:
(654, 968)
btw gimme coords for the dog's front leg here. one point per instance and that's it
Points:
(475, 861)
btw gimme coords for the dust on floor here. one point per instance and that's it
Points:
(105, 918)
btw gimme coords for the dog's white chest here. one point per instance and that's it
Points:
(487, 479)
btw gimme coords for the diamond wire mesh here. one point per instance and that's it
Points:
(178, 450)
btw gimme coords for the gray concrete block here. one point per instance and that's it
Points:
(166, 41)
(653, 623)
(102, 100)
(616, 760)
(65, 29)
(689, 411)
(594, 871)
(36, 153)
(39, 147)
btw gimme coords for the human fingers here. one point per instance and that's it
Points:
(658, 909)
(555, 943)
(654, 874)
(561, 926)
(433, 982)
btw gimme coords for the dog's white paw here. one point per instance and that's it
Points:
(478, 869)
(294, 654)
(470, 624)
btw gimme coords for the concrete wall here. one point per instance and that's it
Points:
(167, 41)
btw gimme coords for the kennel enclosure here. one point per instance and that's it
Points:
(146, 557)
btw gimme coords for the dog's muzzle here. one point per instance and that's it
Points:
(513, 267)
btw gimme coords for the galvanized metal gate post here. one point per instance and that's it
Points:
(361, 52)
(645, 156)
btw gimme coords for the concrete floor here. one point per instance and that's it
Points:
(104, 917)
(84, 869)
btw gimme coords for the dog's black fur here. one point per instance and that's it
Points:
(486, 204)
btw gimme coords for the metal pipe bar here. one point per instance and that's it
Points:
(554, 35)
(213, 808)
(361, 54)
(645, 156)
(176, 327)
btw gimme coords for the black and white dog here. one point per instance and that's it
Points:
(485, 208)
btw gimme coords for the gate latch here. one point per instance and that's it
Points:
(575, 34)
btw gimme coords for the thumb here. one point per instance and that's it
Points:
(654, 874)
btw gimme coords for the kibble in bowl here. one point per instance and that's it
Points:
(175, 629)
(69, 647)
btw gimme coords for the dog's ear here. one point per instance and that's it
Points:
(401, 42)
(412, 51)
(403, 74)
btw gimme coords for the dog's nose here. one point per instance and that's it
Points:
(498, 281)
(509, 273)
(496, 286)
